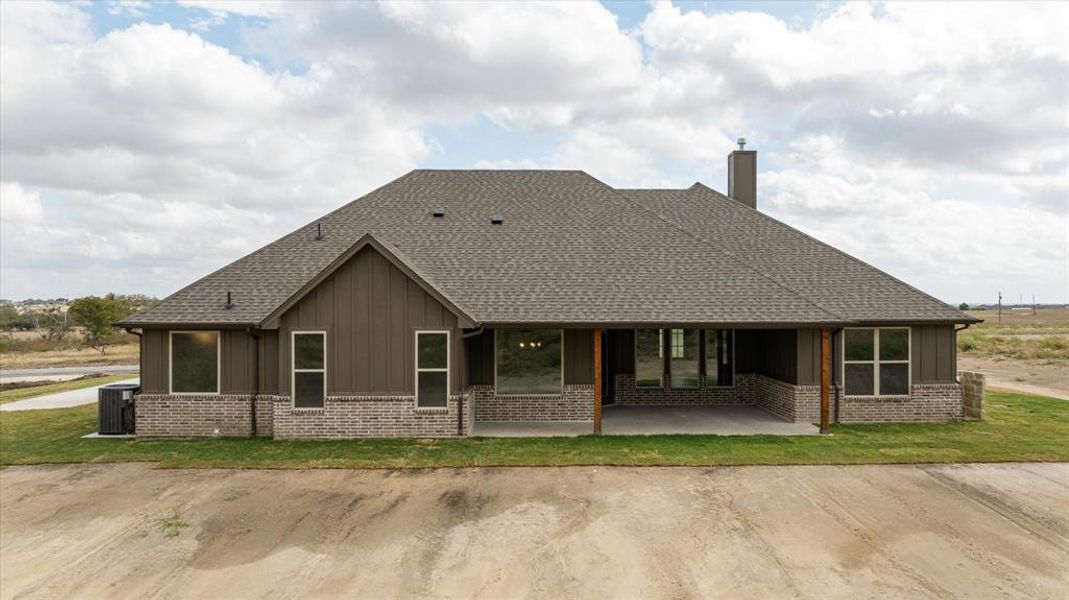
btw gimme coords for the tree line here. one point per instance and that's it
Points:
(93, 314)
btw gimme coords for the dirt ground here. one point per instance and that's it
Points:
(977, 531)
(1047, 378)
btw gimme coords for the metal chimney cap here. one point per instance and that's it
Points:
(438, 213)
(496, 219)
(742, 143)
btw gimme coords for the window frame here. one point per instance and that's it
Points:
(416, 370)
(294, 370)
(218, 362)
(876, 362)
(557, 395)
(665, 379)
(705, 363)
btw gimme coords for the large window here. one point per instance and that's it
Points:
(528, 361)
(432, 369)
(719, 357)
(309, 369)
(876, 361)
(194, 362)
(649, 357)
(686, 349)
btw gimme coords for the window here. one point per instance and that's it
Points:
(876, 361)
(309, 369)
(528, 361)
(685, 357)
(194, 362)
(677, 344)
(649, 357)
(432, 369)
(719, 358)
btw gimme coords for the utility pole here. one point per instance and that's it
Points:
(1000, 308)
(1033, 305)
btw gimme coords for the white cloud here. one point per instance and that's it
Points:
(19, 206)
(171, 155)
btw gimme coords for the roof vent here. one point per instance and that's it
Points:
(319, 231)
(229, 304)
(496, 219)
(438, 213)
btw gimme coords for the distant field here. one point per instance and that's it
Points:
(1020, 334)
(124, 354)
(1024, 351)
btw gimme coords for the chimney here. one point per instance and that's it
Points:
(742, 175)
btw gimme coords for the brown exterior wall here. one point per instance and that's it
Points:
(370, 310)
(237, 358)
(935, 354)
(578, 357)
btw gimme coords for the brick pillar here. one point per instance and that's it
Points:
(972, 394)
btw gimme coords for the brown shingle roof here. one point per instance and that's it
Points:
(571, 250)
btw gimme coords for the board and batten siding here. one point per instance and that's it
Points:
(934, 355)
(370, 310)
(237, 361)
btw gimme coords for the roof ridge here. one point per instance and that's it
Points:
(833, 248)
(727, 253)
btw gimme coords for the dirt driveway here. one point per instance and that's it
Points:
(977, 531)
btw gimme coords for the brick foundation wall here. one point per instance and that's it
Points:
(928, 402)
(625, 392)
(799, 403)
(576, 403)
(265, 415)
(345, 417)
(170, 416)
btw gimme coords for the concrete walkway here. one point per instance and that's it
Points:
(655, 420)
(61, 400)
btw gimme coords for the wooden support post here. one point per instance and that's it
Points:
(597, 381)
(825, 378)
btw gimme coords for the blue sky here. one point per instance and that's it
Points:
(151, 143)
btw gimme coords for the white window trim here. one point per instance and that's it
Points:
(218, 362)
(294, 370)
(876, 362)
(448, 361)
(734, 367)
(660, 354)
(557, 395)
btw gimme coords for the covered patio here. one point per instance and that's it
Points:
(656, 420)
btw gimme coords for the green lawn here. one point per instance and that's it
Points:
(1019, 427)
(62, 386)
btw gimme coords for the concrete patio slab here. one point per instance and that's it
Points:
(705, 420)
(655, 420)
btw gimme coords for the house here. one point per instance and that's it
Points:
(447, 298)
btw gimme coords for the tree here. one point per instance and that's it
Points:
(964, 306)
(9, 317)
(96, 316)
(51, 323)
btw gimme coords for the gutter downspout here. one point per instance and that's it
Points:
(255, 334)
